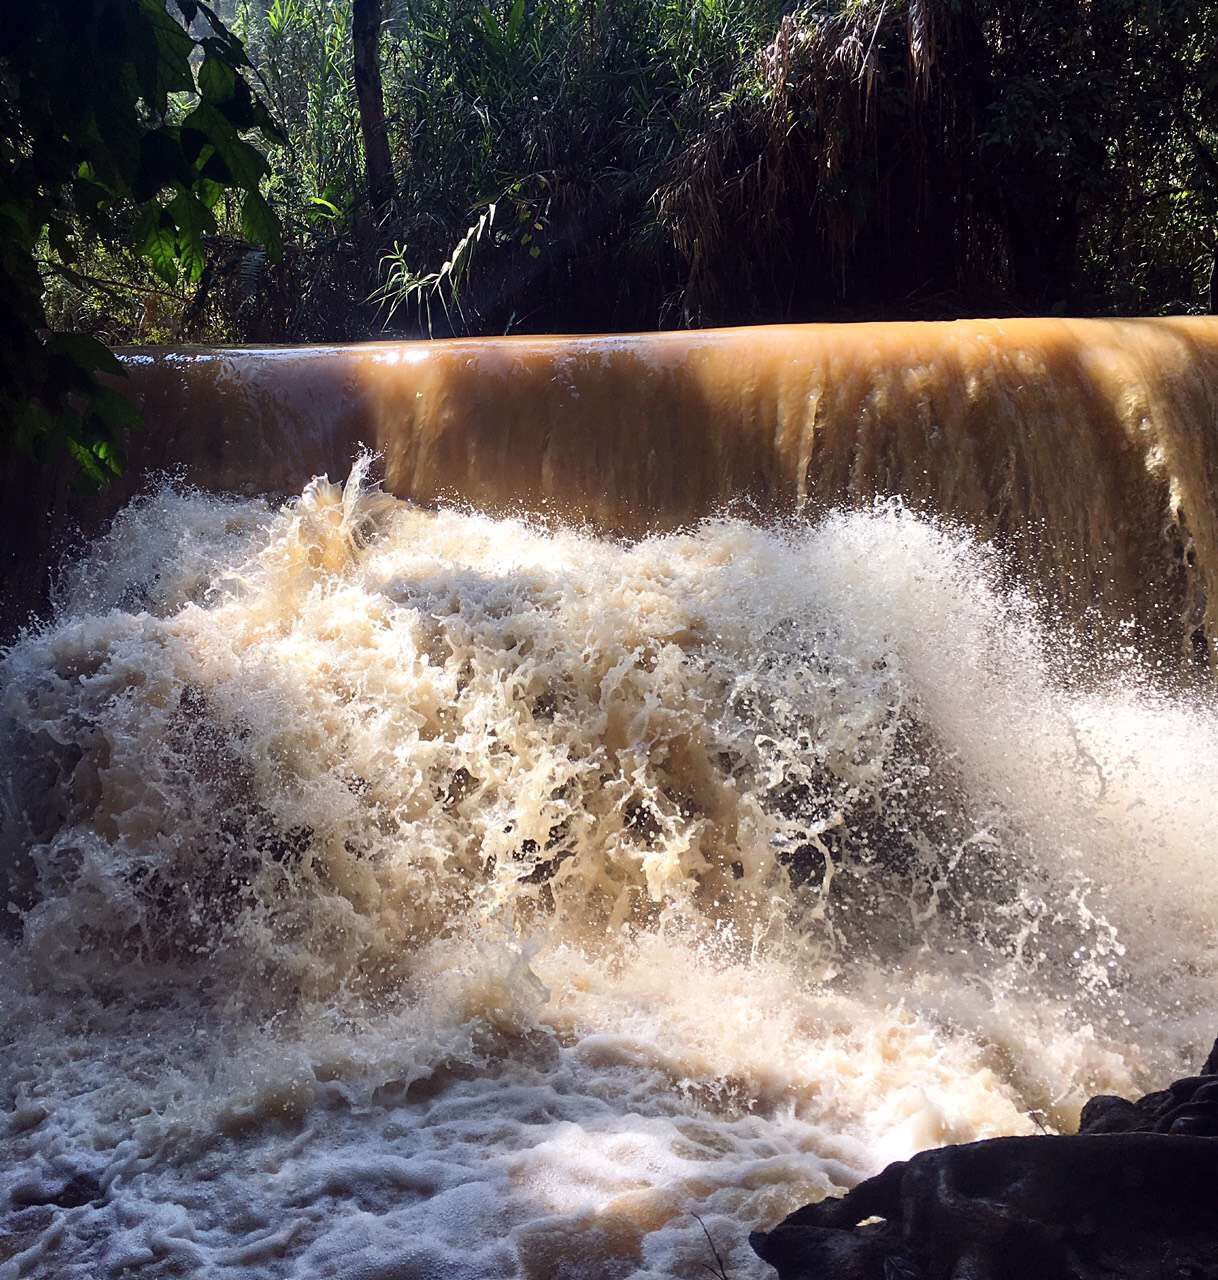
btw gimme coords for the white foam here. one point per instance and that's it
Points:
(403, 893)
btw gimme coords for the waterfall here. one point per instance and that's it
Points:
(657, 782)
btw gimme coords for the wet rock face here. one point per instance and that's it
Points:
(1134, 1196)
(1189, 1106)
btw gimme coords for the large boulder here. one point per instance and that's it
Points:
(1133, 1196)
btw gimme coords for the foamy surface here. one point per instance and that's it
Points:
(400, 893)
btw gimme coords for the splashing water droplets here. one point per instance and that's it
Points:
(414, 889)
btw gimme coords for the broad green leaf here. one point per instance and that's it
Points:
(174, 47)
(267, 125)
(244, 164)
(162, 164)
(209, 192)
(217, 80)
(223, 40)
(260, 225)
(194, 220)
(85, 352)
(91, 468)
(14, 218)
(108, 453)
(491, 28)
(117, 133)
(158, 243)
(239, 109)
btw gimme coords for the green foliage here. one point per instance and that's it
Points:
(582, 164)
(565, 116)
(403, 287)
(303, 49)
(719, 161)
(107, 139)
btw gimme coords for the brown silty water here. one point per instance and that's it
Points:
(710, 766)
(1085, 446)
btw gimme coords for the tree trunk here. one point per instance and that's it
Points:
(365, 40)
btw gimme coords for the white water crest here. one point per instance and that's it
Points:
(397, 894)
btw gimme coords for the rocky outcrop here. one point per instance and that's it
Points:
(1132, 1196)
(1190, 1106)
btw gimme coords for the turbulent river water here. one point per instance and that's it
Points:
(397, 894)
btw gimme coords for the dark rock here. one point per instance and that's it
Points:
(1187, 1106)
(1134, 1196)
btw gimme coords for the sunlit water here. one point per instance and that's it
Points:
(405, 894)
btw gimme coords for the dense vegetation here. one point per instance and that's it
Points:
(120, 133)
(454, 165)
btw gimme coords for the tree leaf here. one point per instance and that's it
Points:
(93, 472)
(209, 192)
(194, 220)
(260, 225)
(162, 163)
(109, 454)
(244, 164)
(174, 46)
(267, 125)
(217, 80)
(158, 242)
(57, 236)
(30, 424)
(86, 353)
(234, 49)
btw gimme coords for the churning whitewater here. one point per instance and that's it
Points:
(397, 893)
